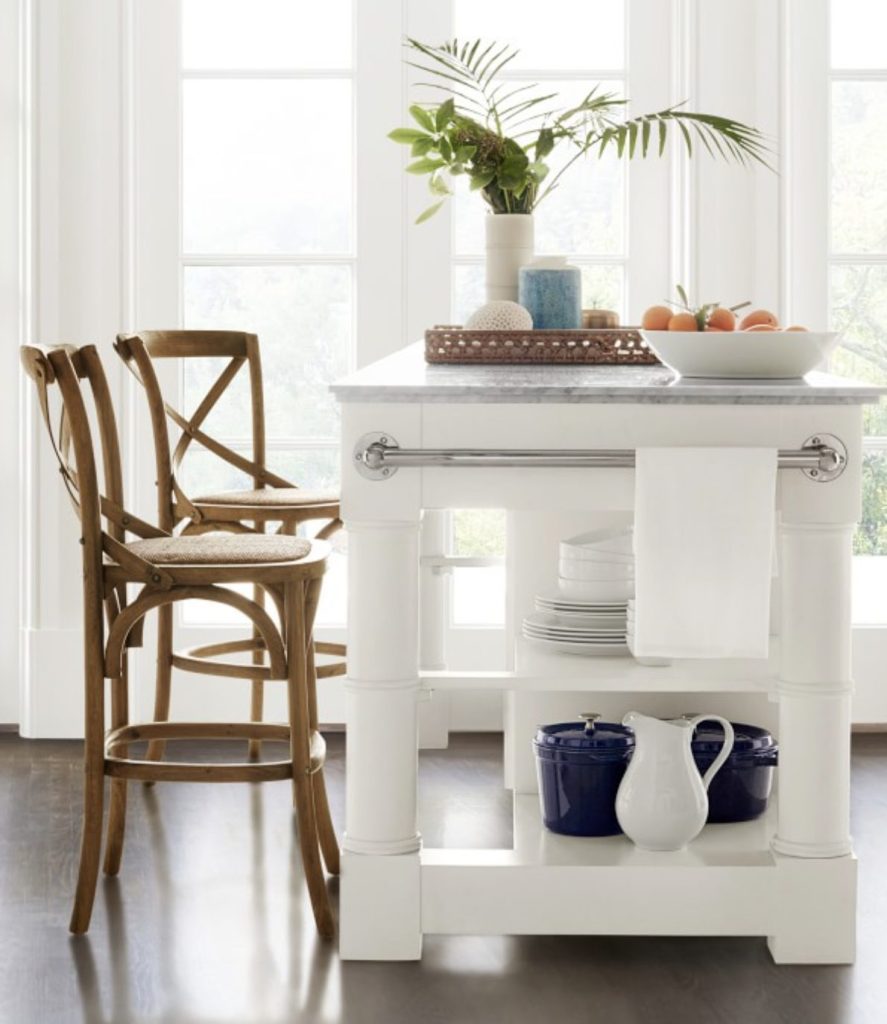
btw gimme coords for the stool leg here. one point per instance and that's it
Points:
(297, 694)
(117, 802)
(329, 844)
(257, 686)
(93, 789)
(163, 683)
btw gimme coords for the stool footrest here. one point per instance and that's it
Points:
(121, 766)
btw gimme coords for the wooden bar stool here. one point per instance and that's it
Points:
(271, 499)
(169, 569)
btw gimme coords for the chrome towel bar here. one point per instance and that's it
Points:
(378, 456)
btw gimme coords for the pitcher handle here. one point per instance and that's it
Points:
(725, 750)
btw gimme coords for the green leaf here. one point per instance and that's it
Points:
(438, 186)
(682, 295)
(408, 135)
(645, 137)
(422, 117)
(423, 146)
(464, 153)
(445, 113)
(545, 143)
(479, 181)
(424, 166)
(538, 170)
(430, 212)
(446, 150)
(632, 139)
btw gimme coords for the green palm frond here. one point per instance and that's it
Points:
(720, 136)
(468, 71)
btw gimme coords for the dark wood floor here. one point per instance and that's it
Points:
(208, 923)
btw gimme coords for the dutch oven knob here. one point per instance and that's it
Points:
(589, 717)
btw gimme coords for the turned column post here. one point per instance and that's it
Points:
(380, 865)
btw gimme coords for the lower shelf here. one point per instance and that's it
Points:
(722, 884)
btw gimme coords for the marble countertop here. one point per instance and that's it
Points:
(406, 377)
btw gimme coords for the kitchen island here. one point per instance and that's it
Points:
(554, 441)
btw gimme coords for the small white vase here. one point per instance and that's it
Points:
(510, 240)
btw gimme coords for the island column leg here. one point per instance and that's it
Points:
(380, 892)
(434, 709)
(815, 893)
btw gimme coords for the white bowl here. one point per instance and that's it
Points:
(600, 590)
(611, 539)
(579, 554)
(573, 569)
(749, 355)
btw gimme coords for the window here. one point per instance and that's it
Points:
(584, 219)
(858, 258)
(477, 594)
(268, 227)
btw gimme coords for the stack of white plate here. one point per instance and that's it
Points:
(629, 637)
(598, 566)
(578, 625)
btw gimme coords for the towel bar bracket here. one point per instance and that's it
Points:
(833, 457)
(378, 456)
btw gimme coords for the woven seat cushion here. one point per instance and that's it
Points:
(277, 496)
(220, 549)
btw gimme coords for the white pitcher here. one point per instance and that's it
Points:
(662, 802)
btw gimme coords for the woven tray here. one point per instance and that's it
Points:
(614, 346)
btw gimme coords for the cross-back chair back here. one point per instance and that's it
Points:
(100, 507)
(241, 350)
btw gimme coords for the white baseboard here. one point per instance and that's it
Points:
(52, 697)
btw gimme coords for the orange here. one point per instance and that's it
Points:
(761, 327)
(656, 318)
(722, 319)
(714, 330)
(683, 322)
(796, 328)
(758, 316)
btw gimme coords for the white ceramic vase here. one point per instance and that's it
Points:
(510, 241)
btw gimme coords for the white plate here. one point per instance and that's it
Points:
(581, 609)
(540, 622)
(748, 355)
(576, 638)
(588, 650)
(578, 569)
(584, 619)
(600, 592)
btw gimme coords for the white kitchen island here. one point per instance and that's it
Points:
(418, 438)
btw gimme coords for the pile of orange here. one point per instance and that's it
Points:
(711, 317)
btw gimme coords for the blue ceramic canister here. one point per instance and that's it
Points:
(579, 766)
(552, 291)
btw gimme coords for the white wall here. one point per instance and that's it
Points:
(77, 244)
(12, 304)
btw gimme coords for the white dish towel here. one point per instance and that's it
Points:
(703, 551)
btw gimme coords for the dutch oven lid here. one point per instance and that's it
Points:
(589, 733)
(749, 739)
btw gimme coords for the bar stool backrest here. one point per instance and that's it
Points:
(59, 375)
(139, 351)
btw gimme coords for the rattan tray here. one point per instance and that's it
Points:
(613, 346)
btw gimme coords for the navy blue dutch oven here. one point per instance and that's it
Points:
(579, 767)
(741, 789)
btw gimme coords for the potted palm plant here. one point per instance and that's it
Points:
(501, 134)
